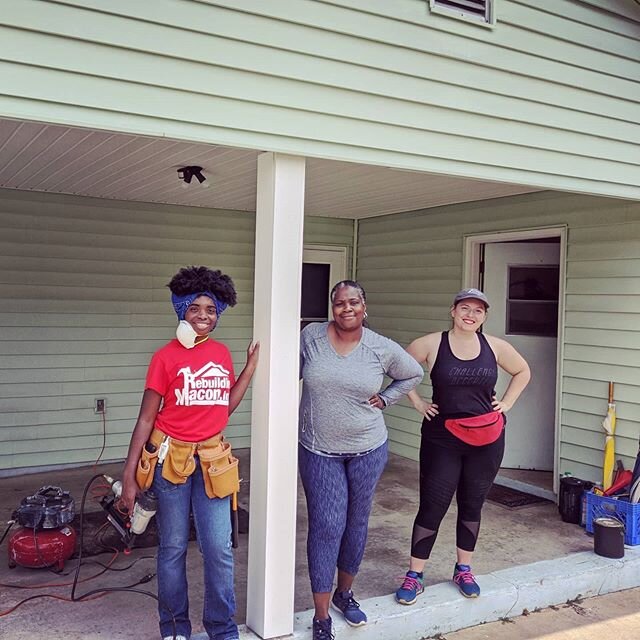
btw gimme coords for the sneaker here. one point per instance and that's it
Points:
(322, 629)
(344, 602)
(175, 637)
(412, 586)
(465, 581)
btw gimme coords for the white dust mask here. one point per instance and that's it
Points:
(186, 334)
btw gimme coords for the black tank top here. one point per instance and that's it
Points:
(463, 388)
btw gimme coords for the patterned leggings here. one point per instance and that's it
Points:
(465, 470)
(339, 492)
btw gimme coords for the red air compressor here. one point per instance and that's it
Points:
(46, 539)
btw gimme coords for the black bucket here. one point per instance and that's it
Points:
(570, 498)
(608, 540)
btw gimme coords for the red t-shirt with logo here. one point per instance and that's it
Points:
(195, 385)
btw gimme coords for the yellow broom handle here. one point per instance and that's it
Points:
(611, 393)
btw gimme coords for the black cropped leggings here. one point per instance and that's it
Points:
(458, 468)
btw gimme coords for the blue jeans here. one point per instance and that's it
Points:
(339, 491)
(213, 528)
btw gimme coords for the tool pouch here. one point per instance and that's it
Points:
(219, 470)
(180, 462)
(145, 469)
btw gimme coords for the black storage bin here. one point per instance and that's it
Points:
(570, 498)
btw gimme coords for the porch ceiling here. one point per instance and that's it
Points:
(100, 164)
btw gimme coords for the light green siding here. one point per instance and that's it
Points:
(83, 305)
(411, 265)
(336, 232)
(549, 97)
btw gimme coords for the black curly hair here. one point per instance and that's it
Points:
(197, 279)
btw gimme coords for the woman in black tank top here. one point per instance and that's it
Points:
(462, 434)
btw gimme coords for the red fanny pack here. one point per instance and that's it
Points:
(477, 430)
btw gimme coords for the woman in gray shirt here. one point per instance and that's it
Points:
(343, 443)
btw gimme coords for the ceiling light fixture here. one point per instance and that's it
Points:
(186, 173)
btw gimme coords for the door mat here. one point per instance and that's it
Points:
(100, 536)
(512, 498)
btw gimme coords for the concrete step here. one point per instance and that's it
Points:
(505, 594)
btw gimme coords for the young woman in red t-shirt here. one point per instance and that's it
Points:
(190, 391)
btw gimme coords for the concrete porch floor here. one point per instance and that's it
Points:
(509, 539)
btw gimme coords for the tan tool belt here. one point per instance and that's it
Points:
(219, 466)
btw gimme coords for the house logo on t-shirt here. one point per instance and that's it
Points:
(208, 386)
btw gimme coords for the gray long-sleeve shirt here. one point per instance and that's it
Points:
(335, 415)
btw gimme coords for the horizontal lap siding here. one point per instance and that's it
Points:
(549, 97)
(83, 305)
(336, 232)
(411, 265)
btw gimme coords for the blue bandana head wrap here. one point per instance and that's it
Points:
(182, 303)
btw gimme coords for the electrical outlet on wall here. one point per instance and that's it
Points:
(100, 405)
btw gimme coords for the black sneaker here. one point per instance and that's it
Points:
(344, 602)
(322, 629)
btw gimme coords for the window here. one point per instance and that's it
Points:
(532, 301)
(315, 293)
(478, 11)
(322, 267)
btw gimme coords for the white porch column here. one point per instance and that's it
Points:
(274, 414)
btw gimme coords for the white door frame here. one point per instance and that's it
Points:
(471, 278)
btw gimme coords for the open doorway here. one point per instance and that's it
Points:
(522, 274)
